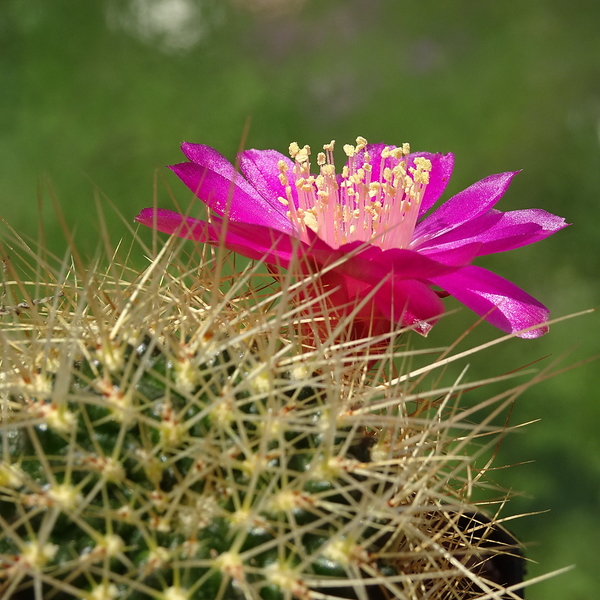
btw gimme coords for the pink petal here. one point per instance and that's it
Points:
(498, 232)
(231, 197)
(171, 222)
(209, 158)
(260, 168)
(407, 264)
(409, 302)
(512, 309)
(372, 265)
(363, 249)
(253, 241)
(441, 171)
(466, 206)
(406, 302)
(260, 243)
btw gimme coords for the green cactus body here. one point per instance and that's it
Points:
(169, 441)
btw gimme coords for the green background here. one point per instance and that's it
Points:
(95, 96)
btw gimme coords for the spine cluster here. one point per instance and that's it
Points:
(173, 435)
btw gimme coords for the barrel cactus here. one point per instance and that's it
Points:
(175, 434)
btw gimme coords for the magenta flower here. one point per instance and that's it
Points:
(366, 228)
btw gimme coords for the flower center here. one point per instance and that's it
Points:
(376, 199)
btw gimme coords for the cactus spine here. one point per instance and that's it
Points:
(171, 435)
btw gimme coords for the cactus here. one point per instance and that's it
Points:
(174, 434)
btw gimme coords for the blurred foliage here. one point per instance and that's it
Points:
(96, 97)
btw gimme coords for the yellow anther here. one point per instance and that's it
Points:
(421, 177)
(293, 149)
(399, 171)
(328, 170)
(374, 188)
(365, 201)
(423, 163)
(301, 156)
(310, 221)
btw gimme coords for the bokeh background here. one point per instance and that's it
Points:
(95, 97)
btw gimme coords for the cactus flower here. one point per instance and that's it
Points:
(366, 230)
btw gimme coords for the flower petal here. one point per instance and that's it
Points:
(253, 241)
(466, 206)
(439, 176)
(209, 158)
(226, 196)
(512, 309)
(411, 303)
(171, 222)
(407, 264)
(407, 303)
(498, 232)
(261, 169)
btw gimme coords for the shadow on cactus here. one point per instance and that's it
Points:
(175, 434)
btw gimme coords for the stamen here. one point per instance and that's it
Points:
(380, 208)
(361, 143)
(294, 149)
(349, 150)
